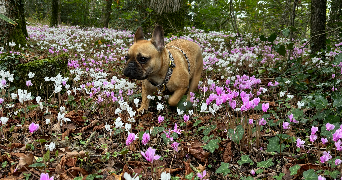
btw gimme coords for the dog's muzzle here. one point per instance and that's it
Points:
(133, 71)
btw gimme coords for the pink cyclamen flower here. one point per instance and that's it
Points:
(131, 137)
(265, 106)
(252, 172)
(292, 119)
(321, 177)
(160, 119)
(300, 143)
(250, 121)
(314, 130)
(324, 140)
(338, 145)
(174, 145)
(1, 100)
(3, 82)
(326, 157)
(176, 130)
(150, 155)
(313, 137)
(145, 138)
(333, 75)
(33, 127)
(286, 125)
(329, 126)
(201, 175)
(45, 176)
(186, 118)
(262, 122)
(28, 83)
(232, 104)
(337, 162)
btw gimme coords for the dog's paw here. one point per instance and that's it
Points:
(141, 110)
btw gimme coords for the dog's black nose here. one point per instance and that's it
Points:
(128, 71)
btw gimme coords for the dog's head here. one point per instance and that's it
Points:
(144, 56)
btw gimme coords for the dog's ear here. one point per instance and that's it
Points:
(139, 35)
(158, 38)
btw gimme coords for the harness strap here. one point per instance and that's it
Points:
(162, 87)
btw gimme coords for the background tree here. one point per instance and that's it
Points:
(170, 14)
(335, 19)
(54, 13)
(14, 9)
(317, 25)
(107, 12)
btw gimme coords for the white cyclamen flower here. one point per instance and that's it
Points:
(165, 176)
(51, 147)
(128, 127)
(136, 101)
(3, 120)
(282, 93)
(128, 177)
(300, 104)
(30, 74)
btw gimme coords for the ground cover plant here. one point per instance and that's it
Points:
(265, 109)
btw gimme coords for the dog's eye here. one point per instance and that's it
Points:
(142, 59)
(126, 57)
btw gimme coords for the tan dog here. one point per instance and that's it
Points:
(175, 68)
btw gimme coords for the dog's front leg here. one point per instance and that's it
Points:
(147, 89)
(177, 96)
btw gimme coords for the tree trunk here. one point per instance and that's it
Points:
(335, 18)
(14, 9)
(318, 20)
(54, 13)
(107, 12)
(59, 12)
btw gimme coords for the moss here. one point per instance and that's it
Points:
(43, 67)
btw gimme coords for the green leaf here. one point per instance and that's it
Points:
(78, 178)
(265, 164)
(279, 177)
(320, 102)
(197, 123)
(37, 165)
(157, 130)
(272, 37)
(40, 159)
(236, 135)
(290, 46)
(224, 169)
(245, 159)
(47, 156)
(90, 177)
(3, 165)
(263, 38)
(7, 19)
(310, 175)
(337, 102)
(281, 50)
(259, 171)
(189, 176)
(334, 174)
(294, 169)
(274, 146)
(212, 145)
(286, 32)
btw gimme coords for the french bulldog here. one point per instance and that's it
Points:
(175, 68)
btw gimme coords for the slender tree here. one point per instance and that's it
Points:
(107, 12)
(318, 20)
(335, 18)
(14, 9)
(54, 13)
